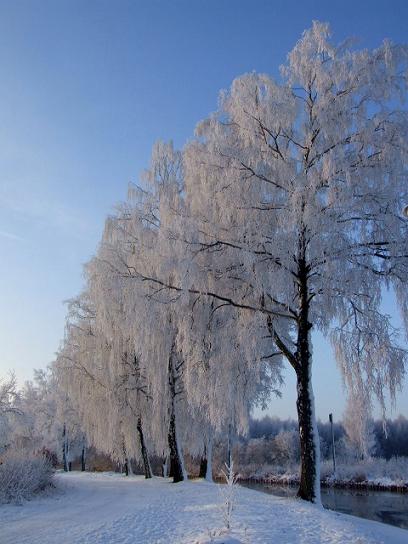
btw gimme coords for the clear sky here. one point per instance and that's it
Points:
(86, 87)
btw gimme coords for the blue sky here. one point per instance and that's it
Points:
(86, 88)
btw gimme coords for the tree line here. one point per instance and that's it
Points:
(392, 443)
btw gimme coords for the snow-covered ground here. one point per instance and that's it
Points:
(109, 508)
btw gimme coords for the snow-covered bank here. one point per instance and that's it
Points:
(360, 482)
(109, 508)
(374, 473)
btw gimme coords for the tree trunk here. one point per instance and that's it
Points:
(309, 488)
(64, 449)
(176, 459)
(176, 464)
(145, 456)
(203, 465)
(125, 458)
(83, 459)
(208, 473)
(309, 442)
(170, 467)
(206, 461)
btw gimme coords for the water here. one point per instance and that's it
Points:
(384, 506)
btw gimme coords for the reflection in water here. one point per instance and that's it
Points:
(384, 506)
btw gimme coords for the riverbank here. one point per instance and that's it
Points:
(366, 485)
(109, 508)
(374, 474)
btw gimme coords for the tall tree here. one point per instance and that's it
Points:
(131, 238)
(296, 190)
(202, 383)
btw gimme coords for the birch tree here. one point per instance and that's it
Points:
(224, 388)
(192, 328)
(114, 311)
(103, 379)
(133, 236)
(296, 189)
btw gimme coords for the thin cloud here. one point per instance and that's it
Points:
(11, 236)
(46, 212)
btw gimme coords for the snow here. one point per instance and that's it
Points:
(110, 508)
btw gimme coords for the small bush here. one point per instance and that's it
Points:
(22, 476)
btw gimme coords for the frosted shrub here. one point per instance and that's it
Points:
(22, 476)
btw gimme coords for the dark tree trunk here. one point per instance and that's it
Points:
(176, 461)
(203, 465)
(69, 466)
(176, 466)
(309, 488)
(125, 457)
(145, 456)
(64, 449)
(309, 458)
(83, 459)
(170, 467)
(209, 450)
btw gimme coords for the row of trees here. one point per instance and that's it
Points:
(145, 367)
(283, 215)
(36, 420)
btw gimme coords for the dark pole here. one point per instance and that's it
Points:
(332, 436)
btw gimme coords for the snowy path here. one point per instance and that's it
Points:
(108, 508)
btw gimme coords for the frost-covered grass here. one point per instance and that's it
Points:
(373, 472)
(22, 476)
(110, 508)
(284, 474)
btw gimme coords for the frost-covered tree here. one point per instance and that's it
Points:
(359, 425)
(41, 422)
(81, 376)
(215, 391)
(296, 189)
(132, 239)
(226, 389)
(39, 428)
(102, 378)
(9, 411)
(8, 395)
(116, 319)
